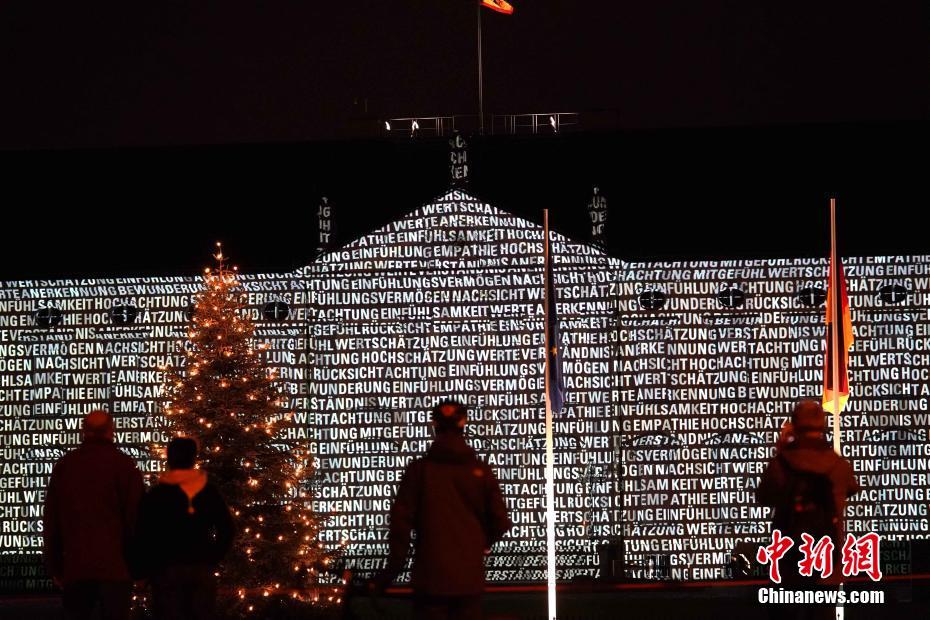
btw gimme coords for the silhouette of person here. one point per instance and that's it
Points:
(807, 483)
(453, 502)
(90, 511)
(184, 531)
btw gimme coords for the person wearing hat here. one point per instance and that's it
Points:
(807, 484)
(453, 502)
(91, 504)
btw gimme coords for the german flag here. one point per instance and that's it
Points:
(839, 322)
(498, 5)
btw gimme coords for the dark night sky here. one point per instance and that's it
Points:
(171, 72)
(722, 125)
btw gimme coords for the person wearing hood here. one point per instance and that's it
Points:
(90, 511)
(807, 483)
(453, 502)
(184, 531)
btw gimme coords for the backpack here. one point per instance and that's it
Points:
(808, 506)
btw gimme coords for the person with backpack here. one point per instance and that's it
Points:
(453, 502)
(184, 530)
(807, 484)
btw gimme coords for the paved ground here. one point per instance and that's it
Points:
(904, 600)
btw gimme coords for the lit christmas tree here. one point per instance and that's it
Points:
(226, 397)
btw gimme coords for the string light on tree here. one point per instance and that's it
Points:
(220, 396)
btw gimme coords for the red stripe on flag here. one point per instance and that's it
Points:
(498, 5)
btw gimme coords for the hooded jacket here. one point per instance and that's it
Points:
(453, 502)
(90, 511)
(183, 520)
(813, 455)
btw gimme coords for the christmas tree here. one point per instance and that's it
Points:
(226, 398)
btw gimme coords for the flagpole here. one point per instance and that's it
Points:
(550, 458)
(835, 345)
(480, 75)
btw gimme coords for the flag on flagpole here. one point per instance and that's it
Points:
(498, 5)
(839, 319)
(555, 384)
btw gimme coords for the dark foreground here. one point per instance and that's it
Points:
(904, 600)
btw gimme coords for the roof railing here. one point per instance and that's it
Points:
(544, 123)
